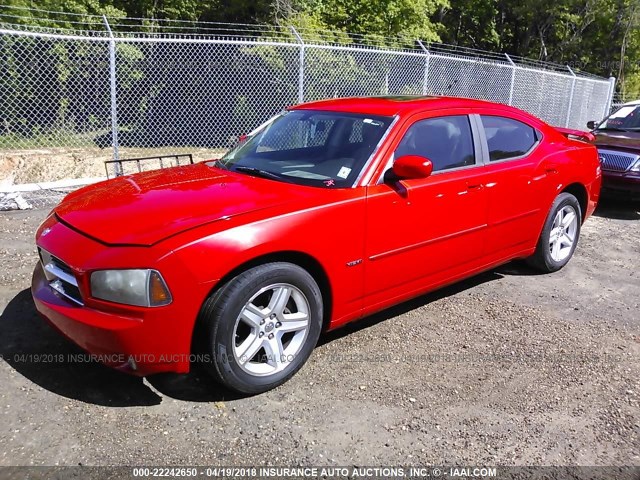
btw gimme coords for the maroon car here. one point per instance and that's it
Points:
(618, 142)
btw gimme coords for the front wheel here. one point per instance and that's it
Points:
(559, 236)
(261, 326)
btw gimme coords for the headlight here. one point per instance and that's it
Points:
(636, 166)
(144, 288)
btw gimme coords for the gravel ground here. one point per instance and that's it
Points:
(507, 368)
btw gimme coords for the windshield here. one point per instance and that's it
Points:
(626, 118)
(310, 147)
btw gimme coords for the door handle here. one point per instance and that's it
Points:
(477, 186)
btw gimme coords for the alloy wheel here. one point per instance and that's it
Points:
(271, 329)
(563, 233)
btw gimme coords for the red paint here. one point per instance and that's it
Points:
(377, 244)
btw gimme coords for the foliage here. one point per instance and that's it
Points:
(596, 36)
(386, 18)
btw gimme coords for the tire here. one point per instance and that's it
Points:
(261, 326)
(556, 246)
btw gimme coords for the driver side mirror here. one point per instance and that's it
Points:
(412, 166)
(591, 125)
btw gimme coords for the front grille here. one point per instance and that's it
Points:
(61, 277)
(617, 161)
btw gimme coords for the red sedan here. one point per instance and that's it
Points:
(330, 212)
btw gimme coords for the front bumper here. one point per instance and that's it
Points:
(621, 183)
(114, 340)
(137, 340)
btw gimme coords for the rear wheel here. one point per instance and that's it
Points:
(559, 236)
(261, 326)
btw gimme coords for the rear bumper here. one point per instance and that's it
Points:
(131, 345)
(621, 183)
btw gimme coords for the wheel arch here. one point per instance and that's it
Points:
(301, 259)
(579, 191)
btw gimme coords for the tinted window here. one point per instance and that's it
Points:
(508, 138)
(446, 141)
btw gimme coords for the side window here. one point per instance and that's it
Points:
(446, 141)
(508, 138)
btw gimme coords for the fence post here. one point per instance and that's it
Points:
(425, 85)
(301, 69)
(114, 101)
(513, 78)
(573, 88)
(611, 93)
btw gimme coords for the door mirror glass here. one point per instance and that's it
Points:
(412, 166)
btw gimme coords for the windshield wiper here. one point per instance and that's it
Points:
(256, 172)
(220, 164)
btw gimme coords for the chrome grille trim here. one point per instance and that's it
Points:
(61, 274)
(58, 286)
(617, 161)
(60, 277)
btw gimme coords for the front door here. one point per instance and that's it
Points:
(422, 232)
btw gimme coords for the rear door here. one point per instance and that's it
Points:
(518, 180)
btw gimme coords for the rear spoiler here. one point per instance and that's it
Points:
(577, 134)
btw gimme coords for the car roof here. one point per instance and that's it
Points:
(395, 105)
(629, 104)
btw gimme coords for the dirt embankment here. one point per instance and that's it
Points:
(51, 164)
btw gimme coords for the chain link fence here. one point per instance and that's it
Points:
(68, 102)
(620, 99)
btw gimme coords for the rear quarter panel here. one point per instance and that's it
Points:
(578, 163)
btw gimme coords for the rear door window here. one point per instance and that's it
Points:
(508, 138)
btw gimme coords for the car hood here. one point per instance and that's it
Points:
(628, 141)
(145, 208)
